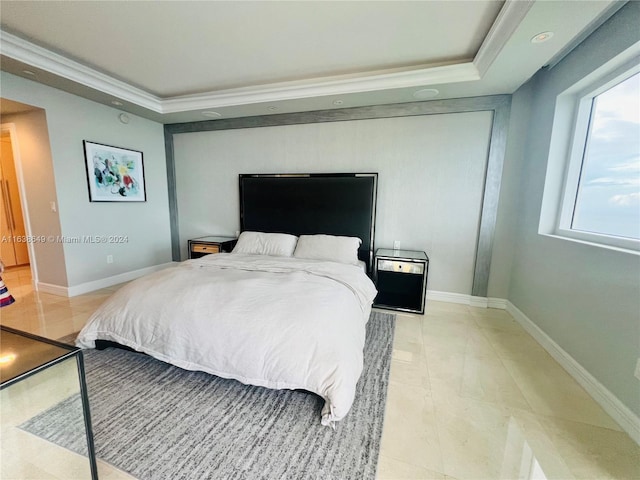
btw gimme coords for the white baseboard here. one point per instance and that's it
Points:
(98, 284)
(482, 302)
(52, 289)
(448, 297)
(627, 419)
(499, 303)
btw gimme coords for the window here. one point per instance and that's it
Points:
(600, 202)
(608, 194)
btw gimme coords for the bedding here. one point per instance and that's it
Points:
(328, 247)
(280, 244)
(276, 322)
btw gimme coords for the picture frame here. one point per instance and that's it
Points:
(114, 174)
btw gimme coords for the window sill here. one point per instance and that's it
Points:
(559, 236)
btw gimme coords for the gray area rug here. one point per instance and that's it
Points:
(156, 421)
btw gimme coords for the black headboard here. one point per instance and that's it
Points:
(306, 204)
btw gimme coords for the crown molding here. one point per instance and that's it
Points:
(48, 61)
(43, 59)
(368, 82)
(508, 20)
(510, 16)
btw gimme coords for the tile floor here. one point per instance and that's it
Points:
(471, 396)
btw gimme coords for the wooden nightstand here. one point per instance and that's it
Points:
(201, 246)
(401, 279)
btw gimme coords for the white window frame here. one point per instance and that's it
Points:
(566, 155)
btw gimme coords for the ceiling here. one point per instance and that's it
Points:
(172, 61)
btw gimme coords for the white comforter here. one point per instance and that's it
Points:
(270, 321)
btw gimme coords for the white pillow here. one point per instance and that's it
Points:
(328, 247)
(277, 244)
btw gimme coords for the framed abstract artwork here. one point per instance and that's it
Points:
(114, 174)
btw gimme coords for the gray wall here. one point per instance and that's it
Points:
(430, 185)
(507, 217)
(586, 298)
(70, 120)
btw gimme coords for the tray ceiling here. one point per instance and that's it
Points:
(172, 60)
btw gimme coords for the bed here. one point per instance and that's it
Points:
(287, 309)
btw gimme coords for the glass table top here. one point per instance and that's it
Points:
(21, 353)
(407, 254)
(214, 238)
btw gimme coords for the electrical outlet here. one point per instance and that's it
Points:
(396, 244)
(109, 258)
(637, 374)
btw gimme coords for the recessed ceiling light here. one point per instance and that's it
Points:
(29, 72)
(124, 118)
(426, 93)
(272, 108)
(116, 103)
(542, 37)
(338, 102)
(211, 114)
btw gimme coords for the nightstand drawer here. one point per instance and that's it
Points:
(400, 267)
(200, 248)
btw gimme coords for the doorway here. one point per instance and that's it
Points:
(32, 208)
(13, 236)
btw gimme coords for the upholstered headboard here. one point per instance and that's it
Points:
(305, 204)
